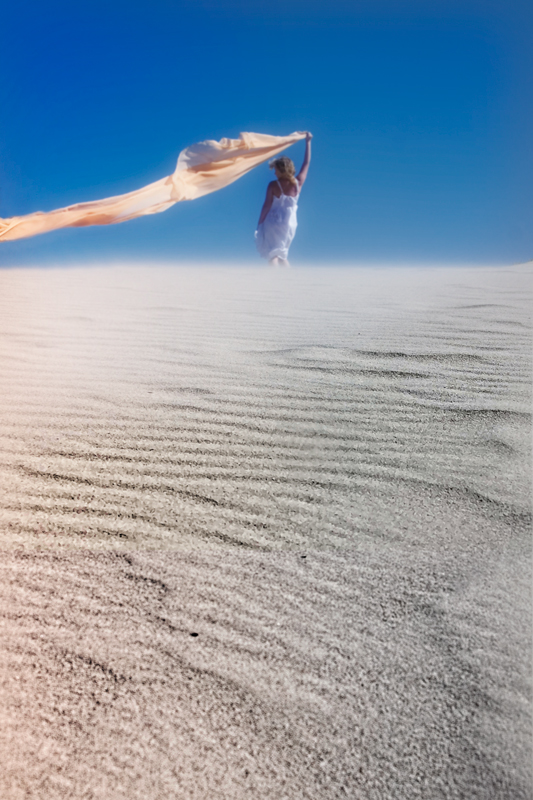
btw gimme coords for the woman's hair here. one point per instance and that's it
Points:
(285, 167)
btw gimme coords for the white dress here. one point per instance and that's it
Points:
(273, 237)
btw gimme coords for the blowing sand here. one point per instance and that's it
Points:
(265, 534)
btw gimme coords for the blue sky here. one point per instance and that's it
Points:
(421, 114)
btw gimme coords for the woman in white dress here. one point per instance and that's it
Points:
(277, 223)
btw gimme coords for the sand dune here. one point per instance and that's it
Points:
(325, 474)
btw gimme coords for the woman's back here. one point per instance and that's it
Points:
(284, 187)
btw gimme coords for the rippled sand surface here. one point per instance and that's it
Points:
(265, 534)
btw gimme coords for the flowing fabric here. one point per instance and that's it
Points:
(202, 168)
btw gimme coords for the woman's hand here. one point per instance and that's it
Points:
(308, 136)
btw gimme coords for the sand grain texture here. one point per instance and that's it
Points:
(324, 474)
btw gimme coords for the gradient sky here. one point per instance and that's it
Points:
(421, 111)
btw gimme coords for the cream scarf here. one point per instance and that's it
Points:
(201, 169)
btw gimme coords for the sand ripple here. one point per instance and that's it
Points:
(324, 474)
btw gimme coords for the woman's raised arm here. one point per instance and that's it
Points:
(302, 175)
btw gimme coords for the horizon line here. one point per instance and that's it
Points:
(247, 264)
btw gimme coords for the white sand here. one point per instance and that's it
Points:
(324, 473)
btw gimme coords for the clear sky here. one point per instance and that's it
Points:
(421, 112)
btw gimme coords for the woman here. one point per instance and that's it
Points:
(277, 223)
